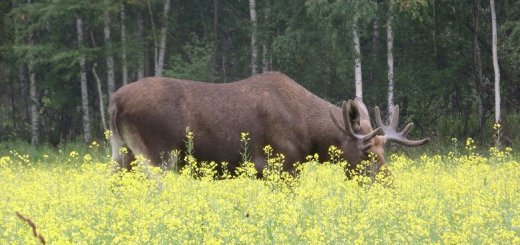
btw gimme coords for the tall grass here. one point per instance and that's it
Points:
(74, 196)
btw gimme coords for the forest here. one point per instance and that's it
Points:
(61, 60)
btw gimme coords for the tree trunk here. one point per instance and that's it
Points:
(123, 44)
(34, 106)
(33, 94)
(109, 58)
(495, 61)
(478, 70)
(265, 60)
(87, 136)
(154, 35)
(140, 52)
(390, 59)
(357, 61)
(254, 51)
(162, 47)
(99, 89)
(101, 100)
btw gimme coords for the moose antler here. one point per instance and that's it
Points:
(390, 131)
(350, 132)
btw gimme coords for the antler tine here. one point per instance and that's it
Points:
(394, 118)
(374, 133)
(390, 131)
(337, 123)
(378, 118)
(407, 142)
(407, 129)
(365, 147)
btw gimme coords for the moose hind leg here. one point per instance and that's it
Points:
(121, 153)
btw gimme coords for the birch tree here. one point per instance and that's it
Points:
(99, 89)
(497, 70)
(87, 136)
(162, 48)
(357, 60)
(109, 58)
(390, 58)
(495, 60)
(254, 50)
(33, 93)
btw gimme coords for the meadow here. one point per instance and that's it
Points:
(73, 195)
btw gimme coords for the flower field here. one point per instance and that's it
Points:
(76, 197)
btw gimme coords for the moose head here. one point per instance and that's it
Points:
(362, 140)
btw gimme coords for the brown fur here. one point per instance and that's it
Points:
(150, 117)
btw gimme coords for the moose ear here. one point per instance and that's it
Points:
(351, 114)
(363, 111)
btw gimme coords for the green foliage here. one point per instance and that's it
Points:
(194, 63)
(415, 8)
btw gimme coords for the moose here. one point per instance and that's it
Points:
(150, 117)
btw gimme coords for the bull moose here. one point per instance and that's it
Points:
(149, 117)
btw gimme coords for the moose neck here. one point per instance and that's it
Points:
(323, 131)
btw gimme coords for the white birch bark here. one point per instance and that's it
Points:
(357, 62)
(390, 60)
(33, 94)
(495, 61)
(254, 50)
(87, 135)
(164, 31)
(124, 68)
(109, 58)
